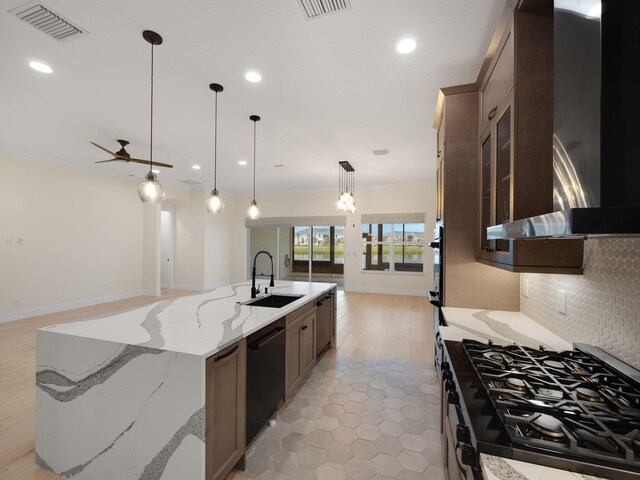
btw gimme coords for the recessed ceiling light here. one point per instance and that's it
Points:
(242, 162)
(196, 167)
(155, 170)
(253, 77)
(406, 45)
(41, 67)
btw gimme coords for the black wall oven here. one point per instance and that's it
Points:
(436, 296)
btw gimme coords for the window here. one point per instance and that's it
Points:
(325, 245)
(393, 247)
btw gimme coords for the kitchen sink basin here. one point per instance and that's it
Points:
(274, 301)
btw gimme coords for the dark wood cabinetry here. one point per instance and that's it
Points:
(324, 322)
(515, 145)
(465, 282)
(225, 410)
(301, 347)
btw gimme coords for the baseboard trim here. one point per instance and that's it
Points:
(86, 302)
(386, 291)
(188, 286)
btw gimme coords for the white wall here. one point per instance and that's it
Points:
(284, 248)
(373, 200)
(263, 238)
(203, 243)
(81, 237)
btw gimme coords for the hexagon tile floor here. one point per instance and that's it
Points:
(355, 419)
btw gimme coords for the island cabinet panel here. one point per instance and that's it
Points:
(293, 351)
(308, 335)
(225, 410)
(324, 323)
(301, 347)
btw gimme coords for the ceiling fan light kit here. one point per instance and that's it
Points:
(214, 202)
(150, 191)
(253, 212)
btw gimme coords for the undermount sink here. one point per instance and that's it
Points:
(274, 301)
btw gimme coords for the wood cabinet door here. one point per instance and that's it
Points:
(323, 324)
(293, 355)
(225, 410)
(308, 347)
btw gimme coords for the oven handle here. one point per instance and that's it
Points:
(461, 468)
(434, 298)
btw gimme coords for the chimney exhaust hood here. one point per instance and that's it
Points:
(596, 140)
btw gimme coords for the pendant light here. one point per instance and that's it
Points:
(346, 187)
(253, 212)
(150, 191)
(214, 202)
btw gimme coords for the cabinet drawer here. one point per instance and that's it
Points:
(499, 83)
(300, 312)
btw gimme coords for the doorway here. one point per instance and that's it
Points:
(167, 234)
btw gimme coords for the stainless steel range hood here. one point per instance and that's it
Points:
(596, 141)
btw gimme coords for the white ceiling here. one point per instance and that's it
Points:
(333, 88)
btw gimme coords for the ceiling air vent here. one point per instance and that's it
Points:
(382, 151)
(47, 21)
(190, 182)
(320, 8)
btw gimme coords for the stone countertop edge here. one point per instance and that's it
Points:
(158, 325)
(501, 327)
(498, 468)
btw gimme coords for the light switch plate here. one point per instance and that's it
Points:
(562, 302)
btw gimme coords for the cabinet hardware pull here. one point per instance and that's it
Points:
(226, 354)
(492, 113)
(304, 327)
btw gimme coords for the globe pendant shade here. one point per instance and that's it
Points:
(215, 203)
(253, 212)
(150, 191)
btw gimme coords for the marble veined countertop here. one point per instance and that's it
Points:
(502, 328)
(201, 324)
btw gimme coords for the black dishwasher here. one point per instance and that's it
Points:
(265, 376)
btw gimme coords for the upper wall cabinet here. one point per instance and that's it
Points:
(515, 144)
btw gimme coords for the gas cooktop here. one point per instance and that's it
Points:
(566, 403)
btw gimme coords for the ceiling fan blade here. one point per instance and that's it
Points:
(102, 148)
(105, 161)
(147, 162)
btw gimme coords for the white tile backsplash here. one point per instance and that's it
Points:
(602, 306)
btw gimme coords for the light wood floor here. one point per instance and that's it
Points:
(369, 326)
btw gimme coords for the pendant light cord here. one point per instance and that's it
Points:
(151, 141)
(254, 160)
(215, 148)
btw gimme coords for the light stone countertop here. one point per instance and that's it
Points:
(201, 324)
(503, 328)
(497, 468)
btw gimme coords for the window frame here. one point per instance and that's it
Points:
(392, 242)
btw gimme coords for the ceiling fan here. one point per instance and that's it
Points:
(123, 156)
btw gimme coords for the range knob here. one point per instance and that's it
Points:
(468, 455)
(445, 366)
(463, 435)
(448, 385)
(446, 375)
(453, 398)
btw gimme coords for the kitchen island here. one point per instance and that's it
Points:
(123, 396)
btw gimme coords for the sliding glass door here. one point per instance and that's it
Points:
(318, 252)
